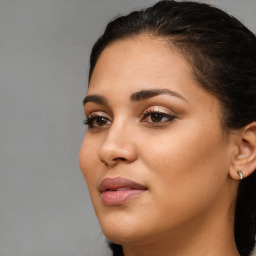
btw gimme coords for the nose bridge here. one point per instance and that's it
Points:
(118, 144)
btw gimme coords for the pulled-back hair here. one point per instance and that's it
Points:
(222, 54)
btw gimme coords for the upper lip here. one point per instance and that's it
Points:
(119, 182)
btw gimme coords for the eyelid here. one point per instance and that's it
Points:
(160, 109)
(97, 113)
(92, 107)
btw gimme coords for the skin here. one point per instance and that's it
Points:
(184, 162)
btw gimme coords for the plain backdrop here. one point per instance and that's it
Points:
(45, 209)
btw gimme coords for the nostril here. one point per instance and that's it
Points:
(119, 159)
(114, 161)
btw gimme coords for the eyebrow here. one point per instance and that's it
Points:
(96, 99)
(146, 94)
(137, 96)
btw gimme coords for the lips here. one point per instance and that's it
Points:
(116, 191)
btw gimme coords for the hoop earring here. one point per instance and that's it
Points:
(240, 173)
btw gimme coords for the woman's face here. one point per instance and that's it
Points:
(155, 157)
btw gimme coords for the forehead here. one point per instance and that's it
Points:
(139, 61)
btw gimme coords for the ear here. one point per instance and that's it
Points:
(244, 159)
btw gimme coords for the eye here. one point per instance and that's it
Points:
(96, 121)
(156, 117)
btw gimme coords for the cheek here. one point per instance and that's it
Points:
(189, 170)
(87, 161)
(182, 152)
(189, 147)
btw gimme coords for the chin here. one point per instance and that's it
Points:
(121, 237)
(126, 236)
(130, 228)
(123, 228)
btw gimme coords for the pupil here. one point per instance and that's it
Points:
(101, 121)
(156, 117)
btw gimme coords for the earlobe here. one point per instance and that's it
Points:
(244, 161)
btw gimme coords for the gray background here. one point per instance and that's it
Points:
(44, 50)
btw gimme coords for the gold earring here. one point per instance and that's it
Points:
(240, 173)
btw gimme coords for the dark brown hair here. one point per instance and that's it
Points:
(222, 54)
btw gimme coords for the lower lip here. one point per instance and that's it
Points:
(119, 197)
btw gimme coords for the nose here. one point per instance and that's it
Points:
(118, 146)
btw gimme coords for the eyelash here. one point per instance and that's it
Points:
(89, 122)
(163, 114)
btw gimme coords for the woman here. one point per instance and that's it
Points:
(170, 151)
